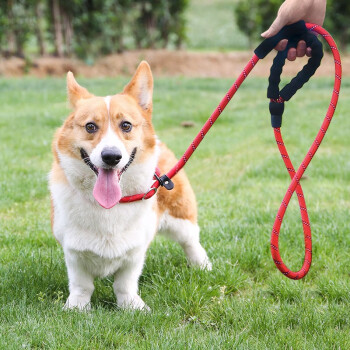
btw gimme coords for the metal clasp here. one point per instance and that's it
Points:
(151, 189)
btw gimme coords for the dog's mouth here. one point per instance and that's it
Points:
(107, 191)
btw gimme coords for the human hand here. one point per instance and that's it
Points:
(292, 11)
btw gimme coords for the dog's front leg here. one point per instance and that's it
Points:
(81, 283)
(126, 282)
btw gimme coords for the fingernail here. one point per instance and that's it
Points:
(284, 44)
(291, 54)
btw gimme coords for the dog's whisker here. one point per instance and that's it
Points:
(85, 157)
(131, 159)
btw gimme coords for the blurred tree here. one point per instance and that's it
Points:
(67, 13)
(245, 14)
(39, 7)
(88, 23)
(88, 28)
(255, 16)
(337, 21)
(57, 27)
(19, 24)
(177, 22)
(116, 16)
(144, 30)
(3, 25)
(158, 20)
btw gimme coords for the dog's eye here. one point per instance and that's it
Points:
(91, 128)
(126, 126)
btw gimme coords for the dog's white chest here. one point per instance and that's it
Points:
(83, 226)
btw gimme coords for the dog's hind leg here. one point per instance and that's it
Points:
(178, 213)
(186, 233)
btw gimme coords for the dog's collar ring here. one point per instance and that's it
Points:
(146, 195)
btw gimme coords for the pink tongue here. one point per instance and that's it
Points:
(107, 191)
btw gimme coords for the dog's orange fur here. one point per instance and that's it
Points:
(180, 202)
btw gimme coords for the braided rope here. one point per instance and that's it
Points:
(200, 136)
(296, 175)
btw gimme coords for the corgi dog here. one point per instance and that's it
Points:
(107, 149)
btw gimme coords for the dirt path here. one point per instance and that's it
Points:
(163, 63)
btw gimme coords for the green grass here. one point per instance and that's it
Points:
(211, 25)
(239, 180)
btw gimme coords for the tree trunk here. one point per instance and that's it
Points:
(148, 26)
(10, 34)
(57, 28)
(68, 32)
(165, 28)
(38, 28)
(19, 44)
(11, 42)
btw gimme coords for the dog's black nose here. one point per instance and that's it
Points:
(111, 156)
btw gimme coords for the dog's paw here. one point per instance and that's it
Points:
(198, 257)
(76, 302)
(203, 264)
(206, 265)
(132, 302)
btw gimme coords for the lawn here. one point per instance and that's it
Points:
(239, 180)
(211, 25)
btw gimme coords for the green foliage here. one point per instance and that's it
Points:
(95, 27)
(16, 17)
(99, 29)
(337, 21)
(158, 21)
(104, 27)
(245, 18)
(255, 16)
(3, 24)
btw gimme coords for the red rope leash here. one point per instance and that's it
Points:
(200, 136)
(296, 176)
(304, 218)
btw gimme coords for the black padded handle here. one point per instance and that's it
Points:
(303, 76)
(287, 32)
(294, 33)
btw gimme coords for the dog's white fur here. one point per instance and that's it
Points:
(98, 242)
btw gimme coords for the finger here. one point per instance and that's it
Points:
(292, 54)
(309, 52)
(281, 46)
(301, 48)
(275, 27)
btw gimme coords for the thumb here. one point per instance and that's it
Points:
(275, 27)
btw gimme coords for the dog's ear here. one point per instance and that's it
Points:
(141, 87)
(75, 91)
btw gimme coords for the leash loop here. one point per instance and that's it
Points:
(297, 175)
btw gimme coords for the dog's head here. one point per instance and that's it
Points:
(108, 133)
